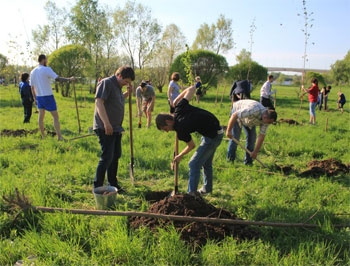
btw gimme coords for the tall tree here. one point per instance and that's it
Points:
(243, 56)
(215, 37)
(341, 70)
(50, 37)
(86, 28)
(138, 31)
(3, 61)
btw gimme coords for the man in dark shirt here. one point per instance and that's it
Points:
(108, 119)
(186, 120)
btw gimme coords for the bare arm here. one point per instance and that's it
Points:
(187, 94)
(138, 103)
(34, 94)
(190, 146)
(101, 110)
(170, 90)
(230, 125)
(61, 79)
(152, 102)
(260, 141)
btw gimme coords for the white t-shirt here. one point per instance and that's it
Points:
(176, 89)
(40, 78)
(265, 90)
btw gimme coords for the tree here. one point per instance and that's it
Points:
(138, 31)
(88, 28)
(71, 60)
(258, 72)
(341, 70)
(215, 37)
(50, 37)
(206, 64)
(3, 61)
(169, 47)
(309, 75)
(243, 56)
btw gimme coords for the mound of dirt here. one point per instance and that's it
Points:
(288, 121)
(22, 132)
(329, 167)
(193, 232)
(153, 196)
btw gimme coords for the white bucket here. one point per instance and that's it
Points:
(105, 197)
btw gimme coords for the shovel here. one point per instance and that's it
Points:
(176, 168)
(248, 151)
(131, 164)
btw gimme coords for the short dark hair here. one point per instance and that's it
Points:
(41, 57)
(161, 120)
(143, 84)
(175, 76)
(24, 76)
(329, 87)
(272, 114)
(126, 72)
(314, 80)
(270, 77)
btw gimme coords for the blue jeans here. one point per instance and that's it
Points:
(203, 158)
(250, 143)
(111, 151)
(312, 108)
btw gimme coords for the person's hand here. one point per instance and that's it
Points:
(108, 129)
(129, 88)
(177, 158)
(253, 155)
(229, 134)
(274, 91)
(72, 79)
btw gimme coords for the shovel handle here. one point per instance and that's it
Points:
(248, 151)
(176, 165)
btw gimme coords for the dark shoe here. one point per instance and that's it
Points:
(139, 125)
(121, 190)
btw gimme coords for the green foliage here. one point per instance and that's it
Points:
(257, 73)
(309, 75)
(341, 70)
(71, 60)
(215, 37)
(3, 62)
(208, 65)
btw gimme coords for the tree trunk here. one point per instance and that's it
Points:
(160, 88)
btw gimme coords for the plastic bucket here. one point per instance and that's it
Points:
(105, 197)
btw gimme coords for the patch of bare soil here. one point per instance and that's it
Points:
(285, 169)
(289, 121)
(329, 167)
(192, 232)
(22, 132)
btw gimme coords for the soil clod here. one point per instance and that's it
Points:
(329, 167)
(193, 232)
(289, 121)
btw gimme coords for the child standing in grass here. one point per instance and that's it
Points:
(27, 97)
(341, 101)
(313, 97)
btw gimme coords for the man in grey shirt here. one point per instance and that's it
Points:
(108, 119)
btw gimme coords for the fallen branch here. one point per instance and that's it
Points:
(181, 218)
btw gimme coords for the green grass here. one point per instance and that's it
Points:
(60, 174)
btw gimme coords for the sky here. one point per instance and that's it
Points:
(278, 40)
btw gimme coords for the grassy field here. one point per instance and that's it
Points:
(60, 174)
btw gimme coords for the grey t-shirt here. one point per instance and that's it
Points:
(110, 91)
(147, 94)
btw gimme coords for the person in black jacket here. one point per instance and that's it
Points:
(27, 97)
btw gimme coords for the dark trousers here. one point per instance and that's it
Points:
(27, 104)
(111, 151)
(266, 102)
